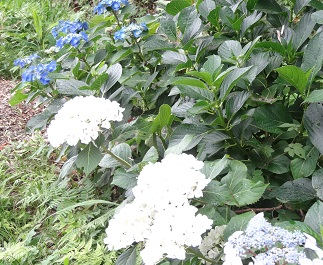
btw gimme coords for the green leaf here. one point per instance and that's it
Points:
(196, 92)
(314, 125)
(18, 97)
(39, 121)
(268, 6)
(68, 166)
(180, 146)
(317, 182)
(216, 194)
(89, 158)
(175, 6)
(249, 21)
(168, 27)
(186, 18)
(315, 96)
(235, 102)
(314, 217)
(171, 57)
(120, 55)
(272, 46)
(129, 257)
(100, 56)
(163, 118)
(72, 87)
(122, 152)
(231, 80)
(313, 55)
(303, 30)
(197, 131)
(151, 155)
(299, 4)
(212, 169)
(124, 180)
(206, 7)
(279, 164)
(294, 76)
(317, 17)
(114, 72)
(298, 190)
(270, 117)
(99, 81)
(212, 63)
(189, 81)
(214, 16)
(230, 50)
(302, 168)
(237, 223)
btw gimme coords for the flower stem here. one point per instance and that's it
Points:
(122, 161)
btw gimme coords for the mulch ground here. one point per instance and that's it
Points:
(13, 120)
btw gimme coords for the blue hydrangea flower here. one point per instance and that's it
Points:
(133, 29)
(69, 27)
(104, 5)
(39, 72)
(22, 62)
(73, 39)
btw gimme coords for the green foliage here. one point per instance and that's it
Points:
(238, 86)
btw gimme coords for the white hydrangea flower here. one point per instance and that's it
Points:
(81, 119)
(160, 214)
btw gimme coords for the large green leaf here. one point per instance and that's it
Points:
(212, 169)
(186, 18)
(317, 182)
(176, 6)
(302, 168)
(313, 55)
(303, 30)
(297, 190)
(216, 194)
(279, 164)
(163, 118)
(171, 57)
(123, 179)
(315, 96)
(129, 257)
(299, 4)
(314, 217)
(270, 117)
(314, 125)
(268, 6)
(180, 146)
(237, 223)
(230, 50)
(317, 17)
(18, 97)
(168, 27)
(196, 92)
(235, 102)
(89, 158)
(248, 21)
(294, 76)
(121, 152)
(206, 7)
(114, 72)
(72, 87)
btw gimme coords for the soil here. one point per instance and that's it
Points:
(13, 120)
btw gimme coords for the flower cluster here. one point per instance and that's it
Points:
(272, 244)
(160, 214)
(75, 32)
(131, 30)
(81, 119)
(22, 62)
(39, 72)
(212, 244)
(103, 5)
(69, 27)
(73, 39)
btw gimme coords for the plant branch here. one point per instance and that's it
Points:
(259, 209)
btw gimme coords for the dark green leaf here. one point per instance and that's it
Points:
(303, 30)
(299, 4)
(235, 102)
(268, 6)
(89, 158)
(39, 121)
(162, 119)
(313, 123)
(249, 21)
(72, 87)
(273, 46)
(129, 257)
(302, 168)
(317, 182)
(279, 164)
(297, 190)
(123, 179)
(100, 56)
(99, 81)
(270, 117)
(114, 72)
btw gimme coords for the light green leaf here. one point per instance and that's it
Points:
(230, 50)
(171, 57)
(18, 97)
(186, 18)
(72, 87)
(314, 217)
(163, 118)
(189, 81)
(99, 81)
(299, 4)
(237, 223)
(181, 146)
(151, 155)
(121, 152)
(212, 64)
(315, 96)
(123, 179)
(212, 169)
(294, 76)
(206, 7)
(302, 168)
(196, 92)
(89, 158)
(317, 17)
(176, 6)
(216, 194)
(248, 21)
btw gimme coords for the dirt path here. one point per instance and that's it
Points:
(13, 120)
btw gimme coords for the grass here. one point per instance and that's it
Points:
(45, 219)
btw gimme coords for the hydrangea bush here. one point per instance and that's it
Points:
(192, 119)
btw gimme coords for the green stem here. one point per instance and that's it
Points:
(162, 140)
(117, 19)
(140, 51)
(122, 161)
(192, 251)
